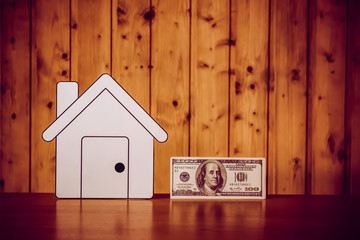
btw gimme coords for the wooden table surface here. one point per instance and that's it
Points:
(43, 216)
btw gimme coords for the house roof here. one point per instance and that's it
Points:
(105, 82)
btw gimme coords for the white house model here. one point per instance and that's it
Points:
(104, 142)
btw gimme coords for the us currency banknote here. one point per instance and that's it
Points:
(233, 178)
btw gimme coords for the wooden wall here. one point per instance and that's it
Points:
(264, 78)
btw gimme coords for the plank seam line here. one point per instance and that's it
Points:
(150, 51)
(307, 163)
(111, 37)
(189, 107)
(229, 81)
(347, 157)
(30, 92)
(268, 97)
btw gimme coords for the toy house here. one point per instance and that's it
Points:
(104, 142)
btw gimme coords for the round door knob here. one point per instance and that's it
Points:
(119, 167)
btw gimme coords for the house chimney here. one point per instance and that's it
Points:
(66, 94)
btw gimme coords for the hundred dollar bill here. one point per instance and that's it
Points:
(230, 178)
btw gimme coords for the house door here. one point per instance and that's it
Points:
(104, 167)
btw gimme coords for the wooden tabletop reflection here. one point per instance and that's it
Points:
(43, 216)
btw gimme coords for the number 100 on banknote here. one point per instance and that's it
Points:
(217, 178)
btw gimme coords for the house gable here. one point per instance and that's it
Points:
(105, 116)
(105, 83)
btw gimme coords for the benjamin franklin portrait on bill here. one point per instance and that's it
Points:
(211, 177)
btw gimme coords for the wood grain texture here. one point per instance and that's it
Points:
(15, 96)
(90, 41)
(170, 84)
(131, 48)
(287, 97)
(326, 150)
(353, 99)
(249, 78)
(201, 70)
(42, 216)
(49, 63)
(209, 78)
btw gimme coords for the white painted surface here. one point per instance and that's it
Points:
(66, 94)
(99, 179)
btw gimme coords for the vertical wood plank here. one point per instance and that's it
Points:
(326, 150)
(170, 83)
(50, 64)
(249, 78)
(90, 41)
(131, 48)
(15, 96)
(287, 97)
(209, 78)
(353, 99)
